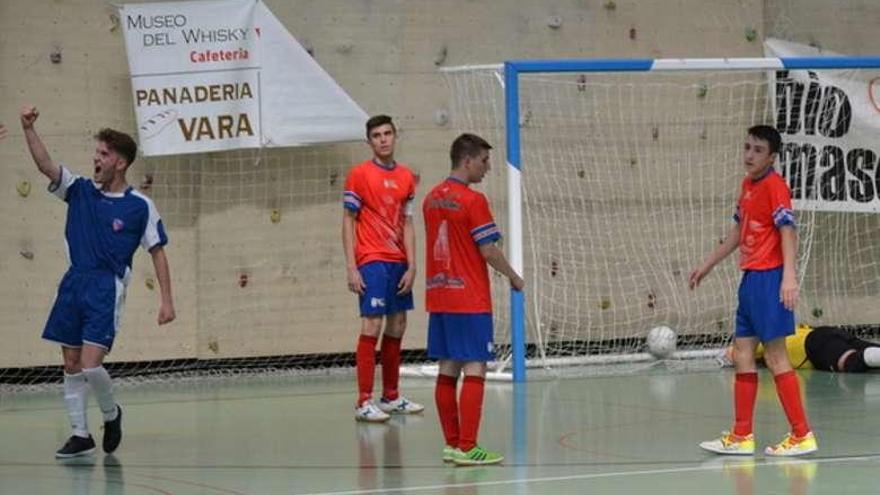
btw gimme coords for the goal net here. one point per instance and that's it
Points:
(630, 179)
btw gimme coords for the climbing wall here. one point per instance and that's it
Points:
(255, 255)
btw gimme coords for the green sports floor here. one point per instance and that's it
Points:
(635, 433)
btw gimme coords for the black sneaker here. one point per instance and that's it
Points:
(76, 446)
(113, 431)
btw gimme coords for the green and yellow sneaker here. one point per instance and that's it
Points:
(477, 456)
(730, 444)
(792, 446)
(449, 453)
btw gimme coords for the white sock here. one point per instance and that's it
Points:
(872, 357)
(102, 387)
(75, 398)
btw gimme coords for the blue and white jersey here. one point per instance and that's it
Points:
(104, 229)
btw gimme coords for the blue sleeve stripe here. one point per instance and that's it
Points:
(487, 226)
(495, 237)
(351, 206)
(783, 216)
(486, 233)
(352, 201)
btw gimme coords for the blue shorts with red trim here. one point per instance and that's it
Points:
(461, 337)
(760, 312)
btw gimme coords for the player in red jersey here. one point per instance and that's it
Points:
(461, 236)
(766, 236)
(379, 243)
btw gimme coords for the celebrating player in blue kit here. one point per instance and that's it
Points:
(106, 221)
(765, 234)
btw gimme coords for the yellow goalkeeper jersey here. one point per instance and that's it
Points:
(796, 347)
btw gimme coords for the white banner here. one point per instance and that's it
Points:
(226, 74)
(830, 124)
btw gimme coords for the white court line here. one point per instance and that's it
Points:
(775, 463)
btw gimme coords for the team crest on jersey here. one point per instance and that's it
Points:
(118, 225)
(390, 184)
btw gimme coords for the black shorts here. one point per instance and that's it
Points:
(825, 345)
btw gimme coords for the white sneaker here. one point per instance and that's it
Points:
(369, 413)
(730, 445)
(400, 405)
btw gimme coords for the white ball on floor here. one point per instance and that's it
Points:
(661, 342)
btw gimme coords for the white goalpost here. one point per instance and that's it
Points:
(623, 173)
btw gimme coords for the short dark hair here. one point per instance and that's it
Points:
(379, 120)
(119, 142)
(467, 145)
(769, 134)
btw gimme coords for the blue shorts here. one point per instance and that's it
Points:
(87, 309)
(760, 312)
(380, 297)
(461, 337)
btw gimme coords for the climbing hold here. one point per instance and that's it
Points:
(441, 117)
(28, 255)
(276, 216)
(632, 33)
(751, 34)
(610, 5)
(214, 346)
(114, 22)
(702, 90)
(605, 304)
(147, 183)
(243, 280)
(307, 46)
(554, 268)
(55, 55)
(23, 188)
(655, 133)
(441, 56)
(581, 174)
(652, 301)
(582, 82)
(817, 312)
(150, 283)
(554, 22)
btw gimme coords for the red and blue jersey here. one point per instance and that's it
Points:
(382, 198)
(457, 222)
(764, 206)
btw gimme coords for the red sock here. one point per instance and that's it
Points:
(366, 367)
(745, 390)
(447, 407)
(471, 409)
(789, 390)
(389, 352)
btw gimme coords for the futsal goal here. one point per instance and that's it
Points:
(623, 175)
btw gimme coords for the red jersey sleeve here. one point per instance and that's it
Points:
(482, 225)
(780, 204)
(352, 196)
(409, 207)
